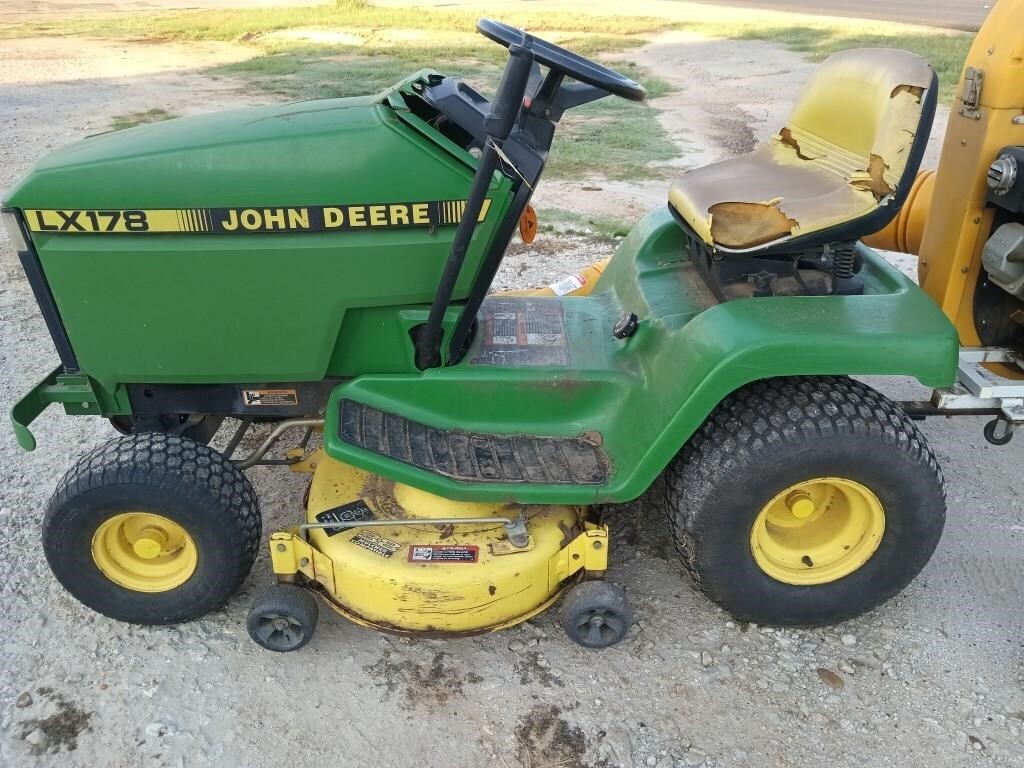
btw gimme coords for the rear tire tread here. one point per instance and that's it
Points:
(753, 422)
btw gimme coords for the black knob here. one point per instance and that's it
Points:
(625, 326)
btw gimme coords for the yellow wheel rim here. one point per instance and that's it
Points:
(144, 552)
(817, 531)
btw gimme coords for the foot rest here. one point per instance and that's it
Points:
(470, 456)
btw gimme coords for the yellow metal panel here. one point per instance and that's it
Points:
(423, 578)
(958, 224)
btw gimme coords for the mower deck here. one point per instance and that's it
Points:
(396, 558)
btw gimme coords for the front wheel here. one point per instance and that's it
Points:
(804, 501)
(152, 529)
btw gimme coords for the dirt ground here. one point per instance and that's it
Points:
(933, 678)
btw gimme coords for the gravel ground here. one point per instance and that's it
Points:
(933, 678)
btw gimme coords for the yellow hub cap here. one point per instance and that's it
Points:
(144, 552)
(817, 531)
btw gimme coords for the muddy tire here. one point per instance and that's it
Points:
(805, 501)
(152, 529)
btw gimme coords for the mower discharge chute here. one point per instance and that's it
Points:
(325, 266)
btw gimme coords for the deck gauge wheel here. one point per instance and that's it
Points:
(596, 614)
(283, 618)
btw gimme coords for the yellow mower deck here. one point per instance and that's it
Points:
(391, 571)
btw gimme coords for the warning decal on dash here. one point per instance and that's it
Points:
(256, 398)
(443, 553)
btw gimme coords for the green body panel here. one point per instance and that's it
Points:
(648, 394)
(195, 308)
(252, 307)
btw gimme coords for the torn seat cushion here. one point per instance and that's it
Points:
(843, 151)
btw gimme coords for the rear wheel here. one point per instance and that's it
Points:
(152, 529)
(805, 501)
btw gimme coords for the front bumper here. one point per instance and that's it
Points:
(74, 390)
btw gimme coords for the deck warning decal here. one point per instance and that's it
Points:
(521, 332)
(255, 398)
(443, 553)
(296, 218)
(376, 544)
(353, 512)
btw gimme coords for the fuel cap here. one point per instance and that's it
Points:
(625, 326)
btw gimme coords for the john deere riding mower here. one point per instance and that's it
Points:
(325, 267)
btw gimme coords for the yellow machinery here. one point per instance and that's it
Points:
(522, 554)
(965, 222)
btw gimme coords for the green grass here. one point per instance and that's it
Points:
(132, 119)
(813, 36)
(357, 16)
(602, 228)
(611, 137)
(621, 138)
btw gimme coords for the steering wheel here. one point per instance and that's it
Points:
(562, 60)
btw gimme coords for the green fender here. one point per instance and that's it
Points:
(647, 395)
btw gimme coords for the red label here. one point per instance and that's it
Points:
(443, 553)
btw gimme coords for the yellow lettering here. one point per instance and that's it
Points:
(273, 218)
(357, 215)
(333, 217)
(399, 214)
(298, 218)
(231, 224)
(420, 214)
(251, 219)
(378, 216)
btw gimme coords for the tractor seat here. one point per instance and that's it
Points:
(840, 169)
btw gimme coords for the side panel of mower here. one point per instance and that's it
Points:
(281, 304)
(642, 398)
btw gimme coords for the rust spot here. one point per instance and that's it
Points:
(875, 183)
(744, 225)
(438, 610)
(914, 90)
(429, 595)
(786, 137)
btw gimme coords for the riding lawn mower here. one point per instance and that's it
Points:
(323, 268)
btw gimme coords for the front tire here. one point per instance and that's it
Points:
(805, 501)
(152, 529)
